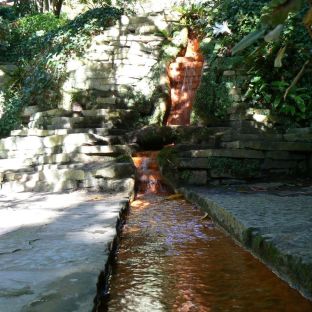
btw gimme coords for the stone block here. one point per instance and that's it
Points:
(279, 164)
(22, 143)
(146, 30)
(268, 145)
(300, 131)
(194, 163)
(285, 155)
(194, 177)
(297, 137)
(53, 140)
(230, 153)
(115, 171)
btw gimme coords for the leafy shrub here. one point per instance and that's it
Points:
(213, 97)
(263, 85)
(5, 35)
(269, 83)
(26, 35)
(11, 116)
(8, 13)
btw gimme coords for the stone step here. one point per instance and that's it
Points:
(103, 185)
(109, 185)
(4, 153)
(300, 131)
(296, 137)
(60, 178)
(58, 112)
(269, 145)
(54, 123)
(110, 113)
(74, 152)
(29, 164)
(229, 136)
(266, 164)
(232, 153)
(91, 118)
(68, 143)
(107, 150)
(43, 133)
(242, 153)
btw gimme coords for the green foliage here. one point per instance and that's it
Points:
(167, 157)
(8, 13)
(271, 87)
(195, 16)
(25, 36)
(42, 61)
(268, 70)
(96, 3)
(11, 117)
(5, 35)
(216, 92)
(125, 5)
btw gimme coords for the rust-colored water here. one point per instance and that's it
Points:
(171, 260)
(148, 175)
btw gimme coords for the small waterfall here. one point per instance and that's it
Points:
(148, 175)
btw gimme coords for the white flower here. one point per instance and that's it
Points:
(40, 33)
(221, 28)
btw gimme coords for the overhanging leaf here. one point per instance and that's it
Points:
(274, 34)
(279, 57)
(248, 40)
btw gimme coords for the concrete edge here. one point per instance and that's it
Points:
(290, 268)
(103, 284)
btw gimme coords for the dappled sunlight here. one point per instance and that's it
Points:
(171, 258)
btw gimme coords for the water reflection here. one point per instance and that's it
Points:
(172, 260)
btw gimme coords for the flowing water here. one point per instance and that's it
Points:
(172, 259)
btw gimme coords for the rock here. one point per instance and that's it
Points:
(285, 155)
(194, 177)
(231, 153)
(268, 145)
(116, 171)
(298, 137)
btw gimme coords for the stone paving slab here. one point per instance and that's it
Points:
(53, 248)
(275, 227)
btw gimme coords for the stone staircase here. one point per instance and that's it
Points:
(68, 150)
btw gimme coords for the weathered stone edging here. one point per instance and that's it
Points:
(103, 284)
(294, 268)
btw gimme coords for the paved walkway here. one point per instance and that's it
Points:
(273, 221)
(53, 248)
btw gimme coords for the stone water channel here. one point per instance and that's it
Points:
(173, 258)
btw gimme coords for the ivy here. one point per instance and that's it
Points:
(42, 58)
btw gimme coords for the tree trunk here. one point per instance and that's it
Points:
(57, 7)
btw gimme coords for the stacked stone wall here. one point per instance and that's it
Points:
(122, 66)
